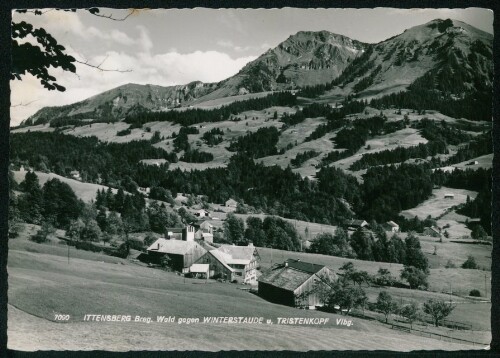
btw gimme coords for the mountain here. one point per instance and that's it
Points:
(447, 56)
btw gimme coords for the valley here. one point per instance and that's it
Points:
(372, 161)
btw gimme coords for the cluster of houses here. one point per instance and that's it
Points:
(293, 283)
(192, 251)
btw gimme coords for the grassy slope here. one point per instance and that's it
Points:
(437, 205)
(43, 285)
(84, 191)
(462, 280)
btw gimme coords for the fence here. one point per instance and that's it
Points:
(441, 337)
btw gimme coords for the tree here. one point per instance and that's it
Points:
(414, 255)
(346, 297)
(334, 245)
(91, 231)
(30, 203)
(385, 304)
(254, 232)
(114, 224)
(234, 229)
(478, 233)
(36, 60)
(384, 277)
(416, 278)
(438, 310)
(75, 229)
(411, 312)
(43, 234)
(470, 263)
(348, 269)
(362, 242)
(60, 203)
(159, 218)
(358, 277)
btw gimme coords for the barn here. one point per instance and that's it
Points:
(181, 253)
(293, 283)
(218, 266)
(432, 231)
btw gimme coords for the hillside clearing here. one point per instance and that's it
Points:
(437, 204)
(84, 191)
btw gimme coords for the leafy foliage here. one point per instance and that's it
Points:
(386, 305)
(438, 310)
(35, 60)
(415, 277)
(470, 263)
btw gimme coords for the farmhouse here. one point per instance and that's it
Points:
(432, 231)
(242, 260)
(391, 226)
(355, 224)
(207, 227)
(201, 213)
(293, 283)
(231, 203)
(182, 254)
(205, 236)
(181, 233)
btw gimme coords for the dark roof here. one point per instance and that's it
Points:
(290, 275)
(304, 266)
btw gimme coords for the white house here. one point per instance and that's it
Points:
(391, 226)
(231, 203)
(201, 213)
(241, 260)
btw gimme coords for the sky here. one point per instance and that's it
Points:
(177, 46)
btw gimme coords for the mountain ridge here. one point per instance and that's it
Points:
(311, 58)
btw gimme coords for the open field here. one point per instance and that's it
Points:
(42, 285)
(462, 281)
(84, 191)
(437, 205)
(456, 222)
(407, 137)
(484, 162)
(456, 252)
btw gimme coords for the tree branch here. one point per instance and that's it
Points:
(98, 67)
(131, 11)
(23, 104)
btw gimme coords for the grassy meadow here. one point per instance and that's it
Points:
(42, 283)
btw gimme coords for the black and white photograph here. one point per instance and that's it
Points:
(236, 179)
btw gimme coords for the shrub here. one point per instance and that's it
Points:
(123, 132)
(475, 293)
(450, 264)
(470, 263)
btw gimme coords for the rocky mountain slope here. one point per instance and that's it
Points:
(444, 55)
